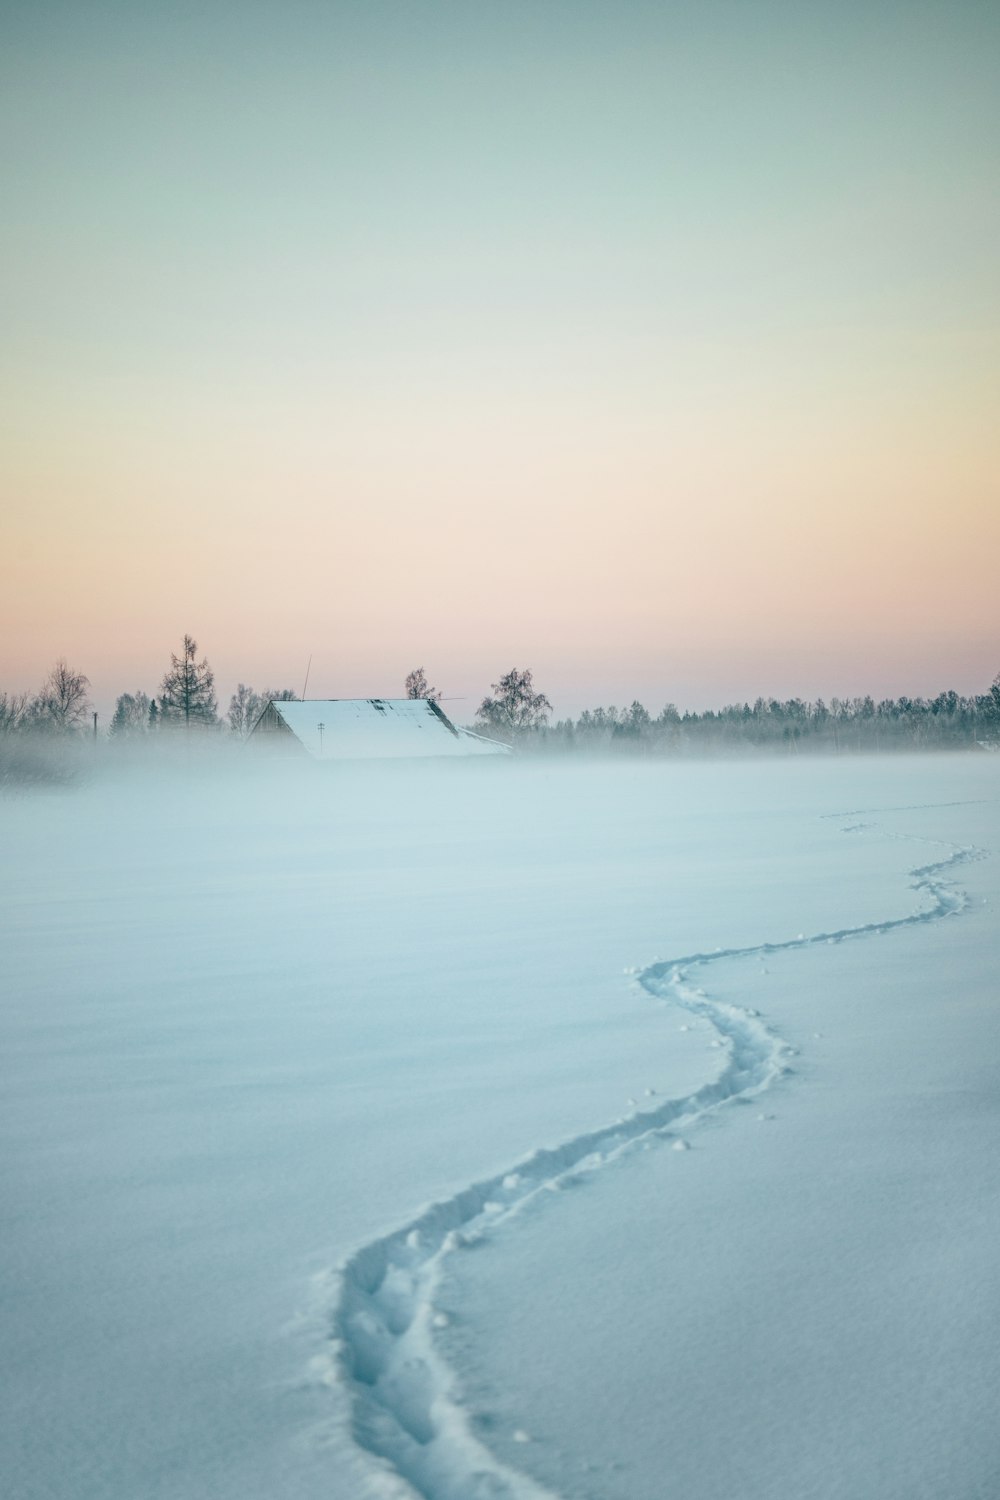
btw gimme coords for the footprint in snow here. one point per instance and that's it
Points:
(405, 1391)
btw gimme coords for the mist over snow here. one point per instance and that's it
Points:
(603, 1131)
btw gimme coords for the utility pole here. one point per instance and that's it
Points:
(95, 723)
(321, 727)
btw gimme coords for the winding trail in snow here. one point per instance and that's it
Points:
(401, 1406)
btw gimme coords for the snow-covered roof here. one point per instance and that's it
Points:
(372, 728)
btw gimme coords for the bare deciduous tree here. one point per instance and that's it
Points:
(131, 716)
(516, 708)
(244, 711)
(13, 712)
(416, 686)
(246, 706)
(63, 704)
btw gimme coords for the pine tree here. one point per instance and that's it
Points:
(187, 692)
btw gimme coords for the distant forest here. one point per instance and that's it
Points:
(793, 726)
(517, 713)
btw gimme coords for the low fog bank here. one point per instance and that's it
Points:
(219, 792)
(40, 763)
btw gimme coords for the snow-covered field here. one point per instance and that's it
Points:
(606, 1132)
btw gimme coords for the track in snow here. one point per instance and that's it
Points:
(399, 1390)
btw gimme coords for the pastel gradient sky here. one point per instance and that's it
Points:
(653, 346)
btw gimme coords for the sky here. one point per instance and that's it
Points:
(654, 347)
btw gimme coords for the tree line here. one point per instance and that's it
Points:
(186, 699)
(514, 711)
(792, 726)
(517, 713)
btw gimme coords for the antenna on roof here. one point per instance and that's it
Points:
(306, 683)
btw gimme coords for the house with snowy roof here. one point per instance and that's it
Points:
(368, 729)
